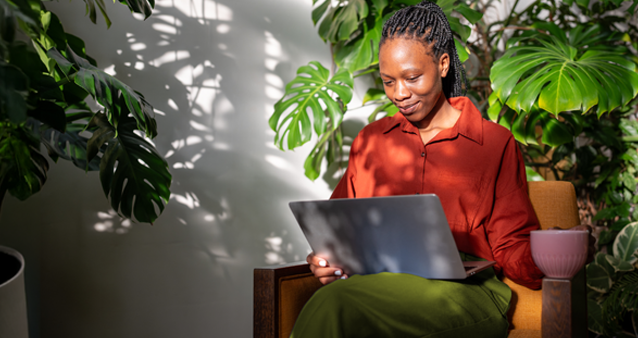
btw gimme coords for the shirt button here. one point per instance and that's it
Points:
(423, 154)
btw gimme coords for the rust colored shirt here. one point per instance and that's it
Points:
(475, 168)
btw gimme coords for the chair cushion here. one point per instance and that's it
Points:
(527, 317)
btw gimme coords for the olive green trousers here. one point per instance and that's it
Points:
(404, 305)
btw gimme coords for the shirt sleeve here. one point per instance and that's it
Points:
(345, 187)
(512, 220)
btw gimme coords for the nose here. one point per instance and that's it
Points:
(401, 92)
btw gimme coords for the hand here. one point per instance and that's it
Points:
(323, 271)
(591, 250)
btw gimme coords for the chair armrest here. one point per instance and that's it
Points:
(564, 311)
(280, 293)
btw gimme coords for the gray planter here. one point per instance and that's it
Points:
(13, 305)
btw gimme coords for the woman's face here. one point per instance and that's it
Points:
(412, 77)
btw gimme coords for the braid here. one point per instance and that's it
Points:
(427, 22)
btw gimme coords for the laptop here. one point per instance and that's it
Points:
(405, 234)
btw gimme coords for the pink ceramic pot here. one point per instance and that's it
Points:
(559, 253)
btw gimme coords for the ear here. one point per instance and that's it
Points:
(444, 64)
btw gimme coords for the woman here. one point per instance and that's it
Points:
(439, 143)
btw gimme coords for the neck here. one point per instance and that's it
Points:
(442, 116)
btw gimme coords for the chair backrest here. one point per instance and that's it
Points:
(555, 205)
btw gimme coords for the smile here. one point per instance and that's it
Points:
(408, 109)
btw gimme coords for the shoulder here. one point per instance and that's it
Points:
(496, 134)
(375, 129)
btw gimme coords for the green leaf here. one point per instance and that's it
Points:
(606, 237)
(552, 29)
(471, 15)
(619, 265)
(601, 259)
(619, 224)
(313, 162)
(495, 108)
(108, 90)
(555, 133)
(14, 87)
(626, 244)
(140, 6)
(71, 145)
(347, 20)
(310, 93)
(380, 5)
(134, 175)
(583, 3)
(461, 51)
(629, 181)
(607, 213)
(595, 322)
(374, 94)
(532, 175)
(549, 72)
(363, 51)
(22, 168)
(103, 132)
(598, 278)
(388, 107)
(319, 11)
(456, 26)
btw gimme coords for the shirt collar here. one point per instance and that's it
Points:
(469, 124)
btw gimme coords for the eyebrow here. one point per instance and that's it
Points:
(403, 72)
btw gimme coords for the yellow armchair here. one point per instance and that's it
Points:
(559, 310)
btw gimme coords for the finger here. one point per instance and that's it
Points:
(317, 261)
(328, 280)
(327, 272)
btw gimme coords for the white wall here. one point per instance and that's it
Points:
(214, 68)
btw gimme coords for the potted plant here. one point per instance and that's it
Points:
(48, 84)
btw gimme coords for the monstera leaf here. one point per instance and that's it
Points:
(341, 20)
(134, 175)
(71, 145)
(559, 77)
(314, 93)
(107, 90)
(138, 6)
(23, 170)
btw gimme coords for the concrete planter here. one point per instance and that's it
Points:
(13, 305)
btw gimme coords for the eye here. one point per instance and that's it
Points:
(414, 78)
(387, 83)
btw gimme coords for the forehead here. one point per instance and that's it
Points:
(400, 53)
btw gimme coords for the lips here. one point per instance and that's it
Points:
(408, 108)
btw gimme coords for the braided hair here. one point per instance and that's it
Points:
(427, 23)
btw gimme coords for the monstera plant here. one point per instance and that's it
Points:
(48, 87)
